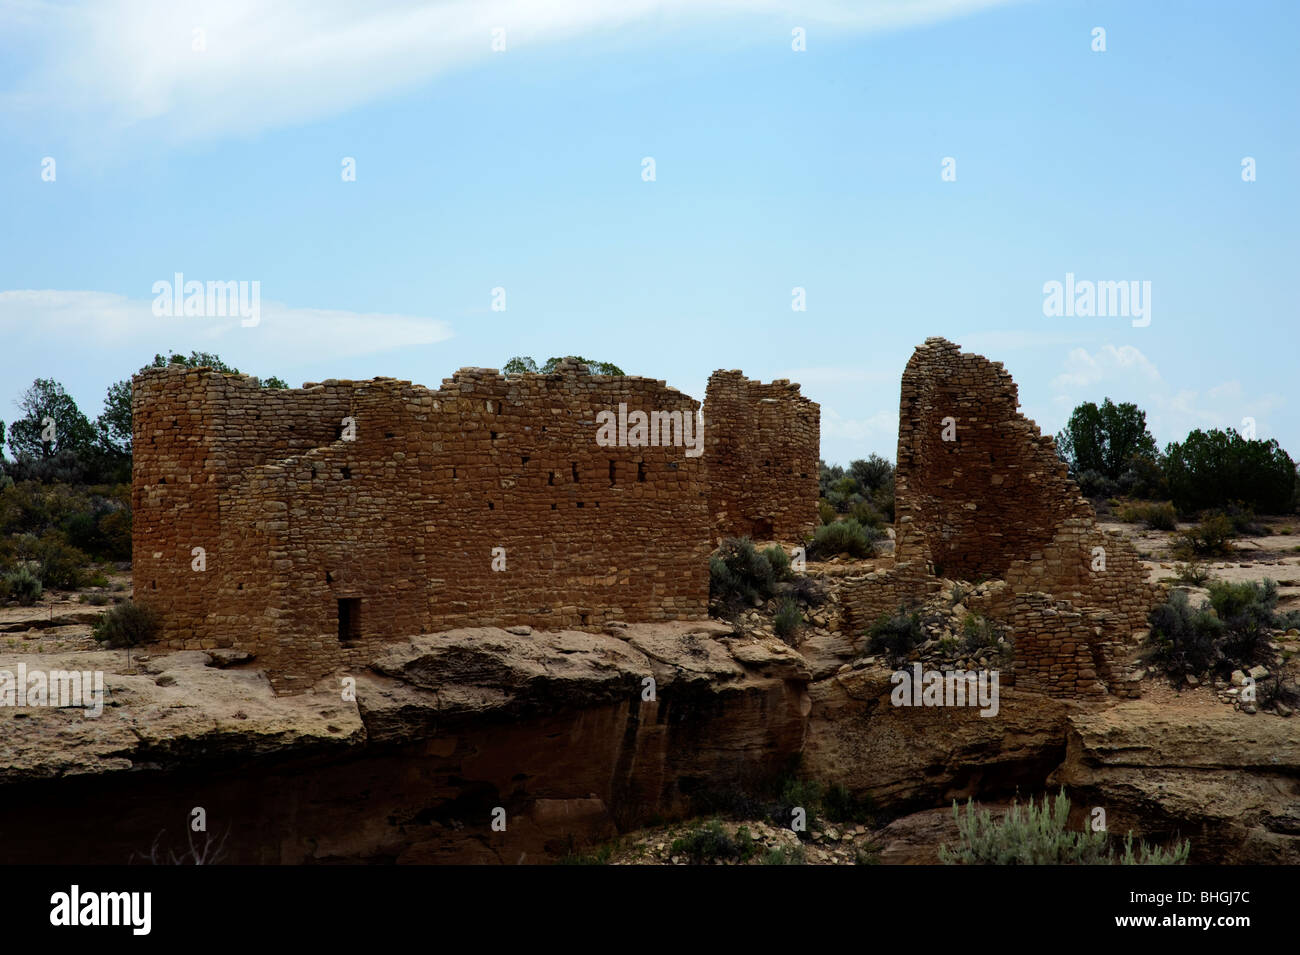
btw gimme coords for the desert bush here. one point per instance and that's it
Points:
(978, 632)
(1157, 516)
(779, 561)
(843, 537)
(865, 513)
(1035, 835)
(127, 625)
(1247, 609)
(1195, 572)
(807, 590)
(896, 635)
(739, 575)
(1182, 639)
(1094, 485)
(23, 586)
(788, 620)
(826, 512)
(786, 855)
(58, 564)
(1212, 537)
(1242, 518)
(840, 805)
(712, 843)
(1228, 631)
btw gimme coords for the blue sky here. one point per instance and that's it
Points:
(775, 169)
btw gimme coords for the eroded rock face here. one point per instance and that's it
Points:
(908, 757)
(1226, 780)
(557, 729)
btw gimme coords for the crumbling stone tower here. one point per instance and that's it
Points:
(981, 494)
(764, 444)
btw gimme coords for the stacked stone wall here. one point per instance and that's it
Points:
(763, 444)
(406, 515)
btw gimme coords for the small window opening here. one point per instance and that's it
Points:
(349, 618)
(492, 506)
(524, 459)
(574, 467)
(346, 472)
(640, 471)
(611, 473)
(550, 478)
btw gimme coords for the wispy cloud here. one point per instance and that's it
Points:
(128, 63)
(86, 323)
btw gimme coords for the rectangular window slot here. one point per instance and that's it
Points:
(349, 619)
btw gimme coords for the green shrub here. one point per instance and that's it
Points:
(865, 513)
(805, 794)
(896, 635)
(1036, 835)
(840, 805)
(979, 632)
(779, 561)
(1228, 631)
(1160, 516)
(739, 575)
(57, 564)
(1195, 572)
(826, 512)
(1212, 537)
(598, 856)
(712, 843)
(1247, 610)
(786, 855)
(1183, 639)
(23, 585)
(127, 625)
(788, 620)
(843, 537)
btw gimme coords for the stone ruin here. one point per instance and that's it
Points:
(312, 526)
(981, 495)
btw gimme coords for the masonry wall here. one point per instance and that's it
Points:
(865, 599)
(405, 517)
(980, 492)
(994, 493)
(763, 446)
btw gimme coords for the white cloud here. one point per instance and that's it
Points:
(1125, 363)
(90, 322)
(131, 62)
(879, 425)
